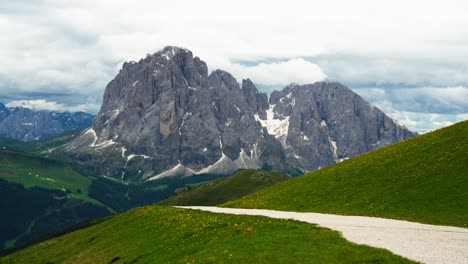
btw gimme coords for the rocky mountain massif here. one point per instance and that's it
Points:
(166, 116)
(29, 125)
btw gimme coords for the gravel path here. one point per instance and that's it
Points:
(419, 242)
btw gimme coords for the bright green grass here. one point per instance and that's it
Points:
(33, 171)
(154, 234)
(225, 189)
(423, 179)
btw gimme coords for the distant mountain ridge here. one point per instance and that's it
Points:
(29, 125)
(165, 116)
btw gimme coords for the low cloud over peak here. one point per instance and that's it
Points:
(77, 47)
(279, 73)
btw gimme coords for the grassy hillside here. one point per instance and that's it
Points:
(155, 234)
(29, 213)
(225, 189)
(40, 195)
(33, 171)
(16, 145)
(55, 141)
(38, 148)
(422, 179)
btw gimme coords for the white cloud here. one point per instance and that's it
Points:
(451, 100)
(75, 47)
(279, 73)
(50, 43)
(451, 95)
(383, 68)
(462, 117)
(420, 122)
(420, 109)
(41, 104)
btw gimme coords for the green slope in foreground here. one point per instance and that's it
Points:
(225, 189)
(154, 234)
(423, 179)
(39, 195)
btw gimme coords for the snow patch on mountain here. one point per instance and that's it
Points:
(334, 148)
(244, 161)
(131, 156)
(104, 144)
(178, 171)
(224, 165)
(323, 124)
(92, 133)
(275, 126)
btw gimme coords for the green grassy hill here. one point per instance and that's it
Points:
(154, 234)
(37, 148)
(55, 141)
(225, 189)
(40, 195)
(423, 179)
(33, 171)
(16, 145)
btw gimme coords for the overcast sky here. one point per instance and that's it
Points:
(409, 58)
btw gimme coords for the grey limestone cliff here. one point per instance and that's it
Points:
(166, 116)
(325, 122)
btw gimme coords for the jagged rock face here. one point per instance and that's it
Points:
(325, 123)
(165, 116)
(29, 125)
(258, 102)
(167, 108)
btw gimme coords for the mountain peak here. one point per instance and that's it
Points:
(169, 52)
(160, 57)
(248, 85)
(218, 77)
(168, 110)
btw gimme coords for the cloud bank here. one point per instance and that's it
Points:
(42, 104)
(280, 73)
(414, 51)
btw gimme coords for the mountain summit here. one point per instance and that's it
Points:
(166, 116)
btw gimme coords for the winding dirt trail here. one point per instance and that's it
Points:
(420, 242)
